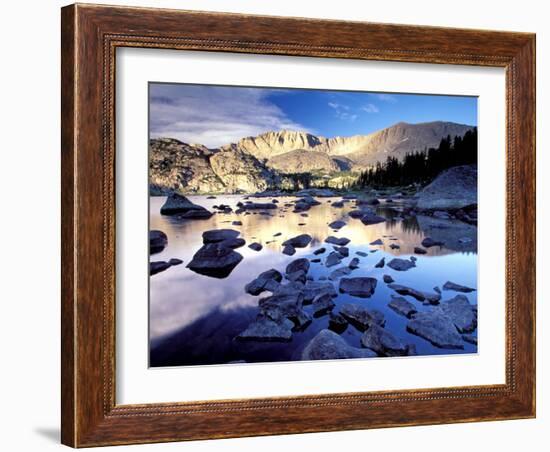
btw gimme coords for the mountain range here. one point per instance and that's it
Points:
(268, 160)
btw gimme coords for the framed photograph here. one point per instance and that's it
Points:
(280, 225)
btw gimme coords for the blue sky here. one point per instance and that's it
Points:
(217, 115)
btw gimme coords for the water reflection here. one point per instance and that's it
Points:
(194, 318)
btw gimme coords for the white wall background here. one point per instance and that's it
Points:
(29, 108)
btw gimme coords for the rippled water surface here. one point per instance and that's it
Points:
(195, 318)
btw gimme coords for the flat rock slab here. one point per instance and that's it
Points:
(266, 330)
(361, 317)
(219, 235)
(362, 287)
(429, 298)
(401, 265)
(157, 241)
(215, 260)
(460, 311)
(402, 306)
(314, 289)
(339, 273)
(383, 342)
(300, 241)
(436, 328)
(340, 241)
(329, 345)
(457, 287)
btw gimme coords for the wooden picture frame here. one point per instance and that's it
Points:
(90, 36)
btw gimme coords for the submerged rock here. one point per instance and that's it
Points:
(300, 241)
(339, 272)
(215, 260)
(457, 287)
(362, 287)
(178, 204)
(219, 235)
(431, 298)
(268, 280)
(157, 241)
(361, 253)
(402, 306)
(340, 241)
(401, 265)
(361, 317)
(383, 342)
(436, 328)
(388, 279)
(329, 345)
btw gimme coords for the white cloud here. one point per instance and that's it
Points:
(385, 97)
(370, 108)
(342, 111)
(214, 115)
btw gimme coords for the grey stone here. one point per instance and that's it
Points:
(329, 345)
(289, 250)
(313, 289)
(264, 282)
(322, 304)
(340, 241)
(178, 204)
(298, 264)
(436, 328)
(428, 242)
(214, 260)
(459, 310)
(334, 258)
(157, 267)
(157, 241)
(401, 265)
(300, 241)
(339, 224)
(255, 246)
(454, 188)
(457, 287)
(377, 242)
(383, 342)
(381, 263)
(402, 306)
(266, 330)
(388, 279)
(361, 317)
(362, 287)
(219, 235)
